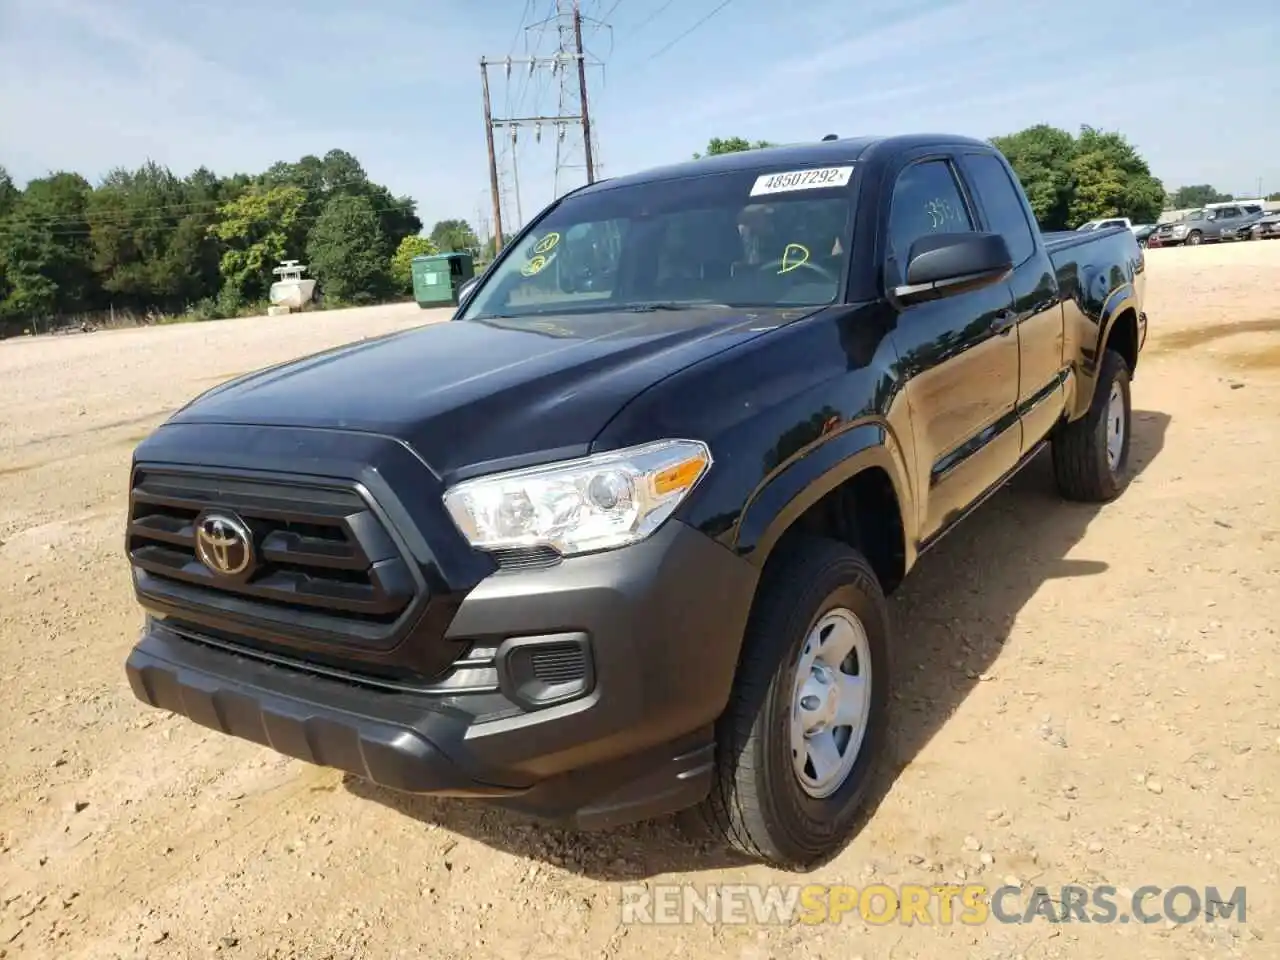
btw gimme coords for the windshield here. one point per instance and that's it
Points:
(748, 238)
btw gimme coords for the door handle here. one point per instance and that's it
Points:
(1004, 322)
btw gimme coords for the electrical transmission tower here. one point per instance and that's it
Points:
(572, 70)
(570, 123)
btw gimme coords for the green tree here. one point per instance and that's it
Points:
(455, 235)
(719, 145)
(1196, 196)
(1274, 196)
(346, 251)
(9, 193)
(1069, 180)
(149, 231)
(148, 238)
(1112, 180)
(256, 228)
(44, 247)
(340, 173)
(402, 260)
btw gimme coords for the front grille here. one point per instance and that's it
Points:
(325, 567)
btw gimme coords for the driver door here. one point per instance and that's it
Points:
(959, 356)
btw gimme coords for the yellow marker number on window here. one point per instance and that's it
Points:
(795, 255)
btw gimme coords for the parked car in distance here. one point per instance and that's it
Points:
(1142, 232)
(1207, 225)
(1105, 223)
(614, 543)
(1266, 227)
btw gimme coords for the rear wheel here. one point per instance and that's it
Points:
(806, 725)
(1090, 455)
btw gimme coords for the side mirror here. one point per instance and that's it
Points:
(945, 264)
(466, 290)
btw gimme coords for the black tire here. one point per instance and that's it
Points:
(757, 805)
(1080, 463)
(1194, 238)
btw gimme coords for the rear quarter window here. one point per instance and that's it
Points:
(1003, 208)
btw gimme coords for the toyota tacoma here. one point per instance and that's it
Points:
(615, 540)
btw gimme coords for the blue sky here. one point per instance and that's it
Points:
(233, 85)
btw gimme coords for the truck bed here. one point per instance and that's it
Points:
(1063, 239)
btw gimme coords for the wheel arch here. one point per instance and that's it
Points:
(1117, 319)
(851, 486)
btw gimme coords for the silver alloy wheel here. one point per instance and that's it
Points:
(1115, 427)
(831, 702)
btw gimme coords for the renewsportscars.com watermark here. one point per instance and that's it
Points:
(970, 904)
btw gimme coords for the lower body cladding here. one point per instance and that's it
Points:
(599, 681)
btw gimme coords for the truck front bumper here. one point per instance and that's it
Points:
(597, 683)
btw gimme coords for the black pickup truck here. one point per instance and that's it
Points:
(615, 540)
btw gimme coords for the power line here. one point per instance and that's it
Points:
(653, 16)
(528, 8)
(678, 38)
(609, 13)
(511, 50)
(533, 50)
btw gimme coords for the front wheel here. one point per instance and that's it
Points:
(1090, 455)
(1194, 238)
(806, 726)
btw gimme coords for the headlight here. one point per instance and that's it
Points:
(1179, 230)
(596, 503)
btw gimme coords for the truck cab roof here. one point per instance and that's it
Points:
(843, 151)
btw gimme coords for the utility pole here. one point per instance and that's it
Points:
(493, 159)
(582, 91)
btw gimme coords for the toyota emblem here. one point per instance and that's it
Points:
(224, 543)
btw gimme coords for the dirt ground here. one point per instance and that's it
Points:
(1087, 695)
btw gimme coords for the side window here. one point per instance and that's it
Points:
(1005, 213)
(590, 257)
(926, 199)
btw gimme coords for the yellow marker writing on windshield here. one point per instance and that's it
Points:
(547, 243)
(534, 266)
(795, 255)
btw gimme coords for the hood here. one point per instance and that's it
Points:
(468, 392)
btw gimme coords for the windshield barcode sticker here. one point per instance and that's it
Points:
(816, 179)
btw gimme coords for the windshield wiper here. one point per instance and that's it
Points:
(670, 305)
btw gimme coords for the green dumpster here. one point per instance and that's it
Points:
(438, 276)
